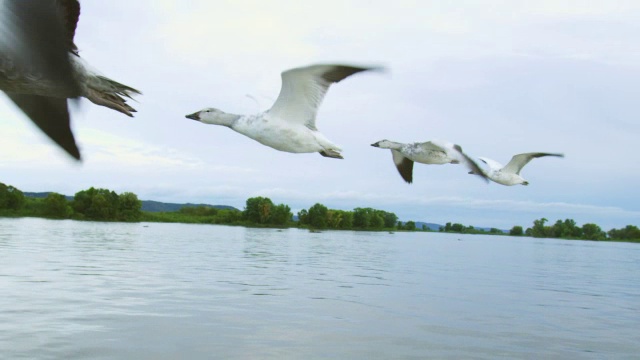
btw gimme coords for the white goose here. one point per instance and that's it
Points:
(40, 67)
(430, 152)
(290, 124)
(510, 174)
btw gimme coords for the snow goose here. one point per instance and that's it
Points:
(40, 67)
(290, 124)
(510, 174)
(430, 152)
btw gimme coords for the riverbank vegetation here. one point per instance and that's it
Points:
(105, 205)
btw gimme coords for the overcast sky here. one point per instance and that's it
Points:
(497, 77)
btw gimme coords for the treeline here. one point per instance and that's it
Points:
(106, 205)
(461, 229)
(90, 204)
(320, 217)
(261, 211)
(568, 229)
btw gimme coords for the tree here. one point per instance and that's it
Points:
(281, 215)
(129, 207)
(258, 210)
(96, 204)
(410, 225)
(303, 217)
(538, 229)
(630, 232)
(334, 219)
(447, 227)
(592, 232)
(516, 231)
(10, 197)
(377, 221)
(347, 220)
(318, 216)
(456, 228)
(57, 206)
(390, 219)
(361, 218)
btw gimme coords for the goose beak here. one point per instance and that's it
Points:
(525, 183)
(194, 116)
(375, 145)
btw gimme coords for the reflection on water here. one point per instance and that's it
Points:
(84, 290)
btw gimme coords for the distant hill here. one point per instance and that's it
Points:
(147, 205)
(430, 226)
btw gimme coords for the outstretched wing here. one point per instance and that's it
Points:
(51, 115)
(303, 90)
(404, 166)
(70, 12)
(455, 151)
(35, 39)
(493, 165)
(38, 44)
(520, 160)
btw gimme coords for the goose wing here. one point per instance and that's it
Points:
(303, 90)
(51, 115)
(520, 160)
(70, 11)
(455, 151)
(493, 165)
(404, 166)
(39, 44)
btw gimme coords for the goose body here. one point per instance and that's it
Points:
(290, 124)
(510, 174)
(430, 152)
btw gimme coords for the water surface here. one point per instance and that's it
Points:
(88, 290)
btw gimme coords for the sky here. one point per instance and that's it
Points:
(496, 77)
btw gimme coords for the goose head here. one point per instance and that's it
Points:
(385, 144)
(212, 116)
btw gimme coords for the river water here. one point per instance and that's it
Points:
(89, 290)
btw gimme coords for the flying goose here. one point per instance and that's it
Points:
(430, 152)
(510, 174)
(40, 67)
(290, 124)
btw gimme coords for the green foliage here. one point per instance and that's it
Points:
(56, 206)
(261, 210)
(538, 229)
(629, 232)
(390, 219)
(281, 215)
(129, 208)
(516, 231)
(317, 216)
(106, 205)
(409, 225)
(361, 218)
(592, 232)
(10, 197)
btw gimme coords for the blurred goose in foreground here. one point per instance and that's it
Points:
(510, 174)
(290, 124)
(40, 67)
(430, 152)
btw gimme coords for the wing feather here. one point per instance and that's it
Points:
(520, 160)
(303, 90)
(404, 166)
